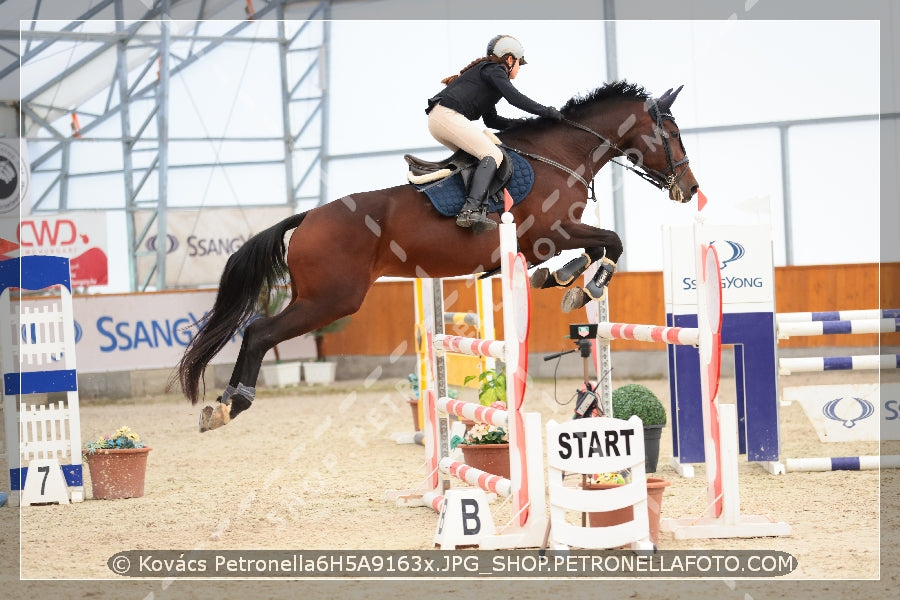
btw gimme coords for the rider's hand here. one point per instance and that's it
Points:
(552, 113)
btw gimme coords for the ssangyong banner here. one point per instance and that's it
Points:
(200, 241)
(78, 236)
(745, 258)
(126, 332)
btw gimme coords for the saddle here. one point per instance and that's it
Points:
(446, 182)
(423, 172)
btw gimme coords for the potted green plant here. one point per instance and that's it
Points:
(280, 373)
(321, 371)
(491, 385)
(117, 464)
(486, 447)
(636, 399)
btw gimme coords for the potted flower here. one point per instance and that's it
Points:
(486, 447)
(606, 481)
(636, 399)
(117, 464)
(280, 373)
(321, 370)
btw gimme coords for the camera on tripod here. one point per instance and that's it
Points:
(587, 402)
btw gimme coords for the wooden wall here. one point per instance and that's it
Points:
(384, 324)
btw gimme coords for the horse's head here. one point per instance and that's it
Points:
(655, 146)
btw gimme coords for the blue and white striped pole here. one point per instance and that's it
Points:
(814, 364)
(843, 463)
(809, 328)
(837, 315)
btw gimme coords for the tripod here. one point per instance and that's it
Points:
(587, 402)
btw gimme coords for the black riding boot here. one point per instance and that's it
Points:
(474, 211)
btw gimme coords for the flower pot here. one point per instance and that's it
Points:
(281, 374)
(319, 372)
(117, 473)
(490, 458)
(414, 405)
(655, 488)
(652, 434)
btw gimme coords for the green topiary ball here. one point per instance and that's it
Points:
(636, 399)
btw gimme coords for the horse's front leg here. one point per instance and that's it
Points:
(600, 245)
(543, 278)
(595, 289)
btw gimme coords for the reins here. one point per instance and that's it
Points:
(660, 180)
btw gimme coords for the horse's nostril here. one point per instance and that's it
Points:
(694, 189)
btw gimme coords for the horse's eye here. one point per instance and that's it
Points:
(675, 134)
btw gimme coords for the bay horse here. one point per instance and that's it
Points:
(338, 250)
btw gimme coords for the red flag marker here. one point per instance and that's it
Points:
(7, 246)
(701, 200)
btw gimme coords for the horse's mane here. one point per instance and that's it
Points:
(576, 105)
(617, 90)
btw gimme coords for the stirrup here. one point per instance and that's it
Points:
(478, 220)
(463, 219)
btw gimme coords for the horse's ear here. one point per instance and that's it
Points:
(665, 101)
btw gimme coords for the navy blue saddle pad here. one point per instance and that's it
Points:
(449, 194)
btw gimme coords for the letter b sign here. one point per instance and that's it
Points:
(465, 519)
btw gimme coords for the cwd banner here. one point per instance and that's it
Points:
(200, 241)
(80, 237)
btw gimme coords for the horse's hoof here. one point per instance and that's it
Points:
(574, 299)
(214, 417)
(539, 278)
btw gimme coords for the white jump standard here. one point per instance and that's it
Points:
(525, 486)
(722, 516)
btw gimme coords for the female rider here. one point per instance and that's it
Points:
(473, 94)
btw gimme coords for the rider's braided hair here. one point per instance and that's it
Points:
(492, 58)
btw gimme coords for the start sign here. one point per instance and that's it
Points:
(595, 445)
(587, 444)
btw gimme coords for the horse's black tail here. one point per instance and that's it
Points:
(259, 263)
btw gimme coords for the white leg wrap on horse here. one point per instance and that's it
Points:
(228, 393)
(246, 391)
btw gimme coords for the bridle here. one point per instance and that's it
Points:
(664, 180)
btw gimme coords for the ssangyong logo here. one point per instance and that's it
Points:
(866, 410)
(735, 250)
(729, 252)
(172, 244)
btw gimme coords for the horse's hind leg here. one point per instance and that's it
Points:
(238, 394)
(300, 317)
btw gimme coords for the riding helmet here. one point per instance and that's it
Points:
(506, 44)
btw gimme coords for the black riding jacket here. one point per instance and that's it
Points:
(477, 90)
